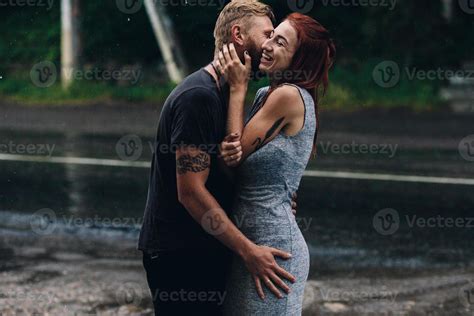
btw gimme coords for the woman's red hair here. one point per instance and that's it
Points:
(312, 60)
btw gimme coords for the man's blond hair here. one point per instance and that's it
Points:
(238, 11)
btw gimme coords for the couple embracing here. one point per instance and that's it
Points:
(219, 234)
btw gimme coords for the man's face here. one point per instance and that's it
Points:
(259, 30)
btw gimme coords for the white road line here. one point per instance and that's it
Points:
(387, 177)
(307, 173)
(77, 161)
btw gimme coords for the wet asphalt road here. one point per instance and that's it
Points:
(348, 223)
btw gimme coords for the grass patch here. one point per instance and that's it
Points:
(351, 88)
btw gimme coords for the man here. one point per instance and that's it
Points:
(186, 234)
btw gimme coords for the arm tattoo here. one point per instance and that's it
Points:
(269, 133)
(197, 163)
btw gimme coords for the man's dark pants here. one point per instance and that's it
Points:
(187, 282)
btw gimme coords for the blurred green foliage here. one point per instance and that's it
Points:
(414, 34)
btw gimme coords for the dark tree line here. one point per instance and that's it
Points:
(414, 33)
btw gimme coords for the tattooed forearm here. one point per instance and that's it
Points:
(196, 163)
(259, 142)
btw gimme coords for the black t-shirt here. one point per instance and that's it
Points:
(194, 114)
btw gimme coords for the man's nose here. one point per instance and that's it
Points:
(266, 45)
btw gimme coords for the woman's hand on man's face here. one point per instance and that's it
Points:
(230, 66)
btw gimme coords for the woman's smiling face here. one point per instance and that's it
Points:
(279, 49)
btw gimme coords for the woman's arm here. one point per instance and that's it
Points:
(237, 76)
(235, 114)
(283, 107)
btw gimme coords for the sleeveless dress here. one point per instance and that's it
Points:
(262, 211)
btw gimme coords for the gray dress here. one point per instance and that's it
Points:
(262, 211)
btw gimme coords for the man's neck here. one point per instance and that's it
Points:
(220, 81)
(213, 73)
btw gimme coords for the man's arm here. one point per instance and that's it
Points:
(192, 171)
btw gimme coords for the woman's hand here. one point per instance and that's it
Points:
(231, 150)
(230, 66)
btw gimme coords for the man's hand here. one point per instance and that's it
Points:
(231, 150)
(293, 203)
(260, 261)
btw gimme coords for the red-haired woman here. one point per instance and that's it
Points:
(271, 149)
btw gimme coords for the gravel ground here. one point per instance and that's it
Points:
(43, 279)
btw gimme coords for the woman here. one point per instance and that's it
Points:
(275, 146)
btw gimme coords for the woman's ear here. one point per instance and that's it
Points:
(237, 37)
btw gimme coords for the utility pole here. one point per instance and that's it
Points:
(163, 30)
(447, 9)
(70, 42)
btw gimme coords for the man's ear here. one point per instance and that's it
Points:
(237, 37)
